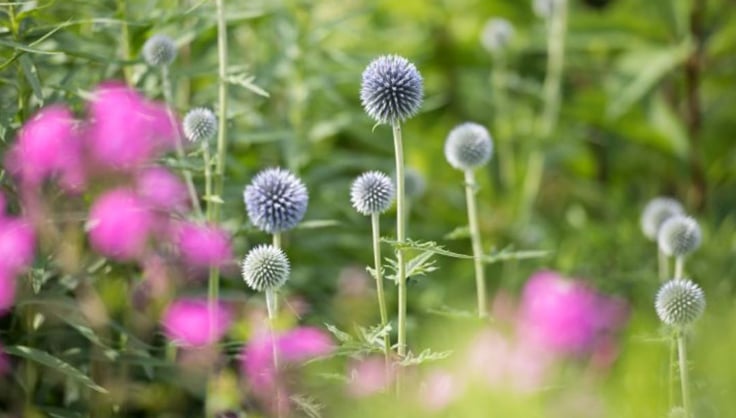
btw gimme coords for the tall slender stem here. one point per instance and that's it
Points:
(400, 235)
(672, 367)
(679, 267)
(166, 83)
(507, 161)
(222, 107)
(376, 234)
(480, 281)
(272, 308)
(125, 39)
(684, 380)
(207, 177)
(664, 266)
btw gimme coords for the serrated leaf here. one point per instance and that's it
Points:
(341, 336)
(54, 363)
(433, 247)
(461, 232)
(31, 73)
(425, 356)
(246, 81)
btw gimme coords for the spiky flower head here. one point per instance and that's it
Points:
(392, 89)
(414, 183)
(372, 192)
(679, 302)
(656, 212)
(679, 235)
(265, 268)
(468, 146)
(496, 34)
(200, 125)
(159, 50)
(276, 200)
(545, 8)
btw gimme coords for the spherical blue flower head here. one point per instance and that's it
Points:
(200, 124)
(414, 183)
(159, 50)
(276, 200)
(468, 146)
(679, 235)
(392, 89)
(372, 192)
(656, 212)
(679, 302)
(265, 268)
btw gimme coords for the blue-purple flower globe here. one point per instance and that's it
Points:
(656, 212)
(468, 146)
(392, 89)
(159, 50)
(265, 268)
(679, 235)
(199, 125)
(276, 200)
(679, 302)
(372, 192)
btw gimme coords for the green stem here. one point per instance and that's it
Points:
(664, 266)
(679, 267)
(376, 234)
(125, 40)
(272, 307)
(672, 366)
(166, 81)
(207, 177)
(684, 380)
(480, 281)
(400, 236)
(222, 96)
(507, 161)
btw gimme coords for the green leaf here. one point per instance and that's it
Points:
(246, 81)
(318, 223)
(31, 73)
(54, 363)
(425, 356)
(433, 247)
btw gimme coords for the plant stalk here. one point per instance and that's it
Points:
(271, 306)
(480, 281)
(664, 266)
(679, 267)
(400, 236)
(684, 379)
(376, 234)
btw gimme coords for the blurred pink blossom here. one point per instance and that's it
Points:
(48, 145)
(188, 322)
(162, 189)
(203, 246)
(7, 291)
(17, 245)
(439, 389)
(119, 225)
(369, 376)
(566, 316)
(125, 130)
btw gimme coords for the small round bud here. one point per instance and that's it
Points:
(656, 212)
(496, 34)
(679, 235)
(200, 124)
(392, 89)
(265, 268)
(159, 50)
(414, 183)
(545, 8)
(372, 192)
(468, 146)
(679, 302)
(276, 200)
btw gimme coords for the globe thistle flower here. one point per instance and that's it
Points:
(545, 8)
(392, 89)
(372, 192)
(265, 268)
(200, 125)
(159, 50)
(468, 146)
(656, 212)
(276, 200)
(679, 235)
(496, 34)
(679, 302)
(414, 183)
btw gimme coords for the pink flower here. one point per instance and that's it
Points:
(369, 377)
(17, 245)
(48, 144)
(189, 322)
(564, 315)
(294, 346)
(119, 225)
(162, 189)
(7, 291)
(125, 130)
(439, 390)
(203, 246)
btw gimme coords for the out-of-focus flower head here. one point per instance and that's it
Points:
(48, 144)
(162, 189)
(125, 130)
(119, 224)
(203, 246)
(496, 34)
(192, 323)
(369, 376)
(439, 389)
(17, 245)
